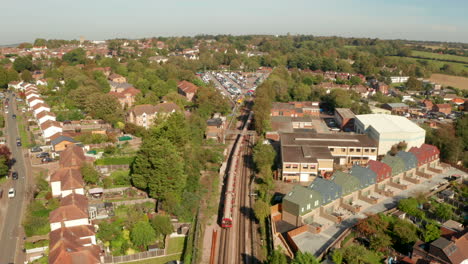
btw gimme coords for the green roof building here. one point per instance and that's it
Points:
(348, 182)
(301, 200)
(410, 160)
(396, 163)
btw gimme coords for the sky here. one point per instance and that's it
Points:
(437, 20)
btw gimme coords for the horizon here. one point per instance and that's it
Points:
(416, 20)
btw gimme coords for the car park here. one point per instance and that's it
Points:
(11, 193)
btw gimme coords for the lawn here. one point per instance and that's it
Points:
(115, 160)
(458, 67)
(158, 260)
(22, 131)
(176, 245)
(449, 80)
(437, 56)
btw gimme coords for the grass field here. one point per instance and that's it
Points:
(458, 67)
(176, 245)
(449, 80)
(160, 260)
(436, 56)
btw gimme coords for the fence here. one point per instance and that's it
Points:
(135, 257)
(106, 169)
(131, 202)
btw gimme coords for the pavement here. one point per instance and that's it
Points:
(10, 228)
(315, 243)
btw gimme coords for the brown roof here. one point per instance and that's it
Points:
(131, 90)
(444, 106)
(67, 213)
(329, 140)
(114, 76)
(68, 251)
(37, 106)
(74, 233)
(34, 98)
(50, 123)
(78, 200)
(69, 178)
(44, 113)
(187, 87)
(72, 156)
(152, 109)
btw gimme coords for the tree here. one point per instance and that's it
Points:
(380, 241)
(263, 155)
(408, 205)
(261, 210)
(337, 256)
(26, 76)
(159, 168)
(104, 106)
(414, 84)
(277, 257)
(304, 258)
(444, 211)
(355, 80)
(109, 231)
(76, 56)
(4, 169)
(90, 174)
(142, 234)
(431, 232)
(23, 63)
(40, 42)
(404, 231)
(162, 225)
(371, 225)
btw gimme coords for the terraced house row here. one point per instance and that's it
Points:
(333, 199)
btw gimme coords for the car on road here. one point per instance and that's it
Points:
(18, 142)
(42, 155)
(36, 149)
(11, 193)
(6, 111)
(14, 175)
(13, 116)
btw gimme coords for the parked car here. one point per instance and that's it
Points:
(13, 116)
(42, 155)
(47, 159)
(18, 142)
(11, 193)
(14, 175)
(36, 149)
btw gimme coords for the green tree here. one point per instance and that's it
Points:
(40, 42)
(90, 174)
(261, 210)
(162, 225)
(277, 257)
(23, 63)
(444, 211)
(431, 232)
(142, 234)
(109, 231)
(337, 256)
(355, 80)
(76, 56)
(404, 231)
(408, 205)
(304, 258)
(159, 169)
(414, 84)
(26, 76)
(104, 106)
(380, 241)
(263, 155)
(4, 169)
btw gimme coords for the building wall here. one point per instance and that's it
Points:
(56, 188)
(77, 222)
(387, 140)
(68, 192)
(51, 131)
(45, 118)
(63, 145)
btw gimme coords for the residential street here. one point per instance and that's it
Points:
(11, 230)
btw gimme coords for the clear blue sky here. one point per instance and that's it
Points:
(441, 20)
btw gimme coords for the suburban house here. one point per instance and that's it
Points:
(32, 101)
(295, 109)
(73, 211)
(187, 89)
(114, 77)
(389, 130)
(443, 108)
(50, 128)
(119, 87)
(428, 104)
(31, 93)
(66, 181)
(396, 108)
(40, 107)
(61, 142)
(127, 97)
(144, 115)
(44, 116)
(444, 250)
(73, 156)
(14, 84)
(76, 244)
(307, 155)
(158, 59)
(426, 154)
(345, 118)
(381, 170)
(41, 82)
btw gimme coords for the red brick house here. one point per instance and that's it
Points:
(295, 109)
(382, 170)
(443, 108)
(117, 78)
(126, 97)
(425, 154)
(428, 104)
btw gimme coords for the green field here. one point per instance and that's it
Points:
(441, 57)
(434, 64)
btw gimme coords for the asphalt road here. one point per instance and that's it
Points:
(11, 227)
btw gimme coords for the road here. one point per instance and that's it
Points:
(12, 229)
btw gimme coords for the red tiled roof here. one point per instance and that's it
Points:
(39, 105)
(381, 169)
(44, 113)
(67, 213)
(50, 123)
(424, 153)
(75, 199)
(72, 156)
(444, 106)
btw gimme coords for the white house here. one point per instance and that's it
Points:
(73, 211)
(44, 116)
(399, 79)
(15, 84)
(39, 108)
(50, 128)
(23, 86)
(41, 82)
(32, 101)
(32, 93)
(66, 181)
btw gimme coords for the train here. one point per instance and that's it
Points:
(230, 193)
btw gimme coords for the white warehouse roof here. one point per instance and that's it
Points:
(389, 123)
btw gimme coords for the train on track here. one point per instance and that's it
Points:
(230, 193)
